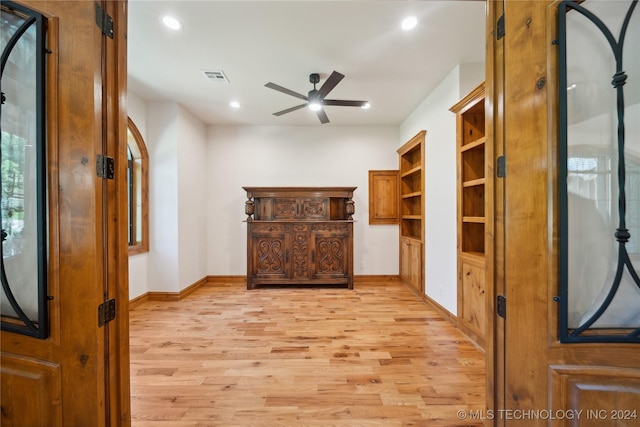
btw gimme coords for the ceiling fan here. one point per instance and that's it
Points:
(316, 97)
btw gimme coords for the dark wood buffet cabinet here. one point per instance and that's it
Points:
(299, 235)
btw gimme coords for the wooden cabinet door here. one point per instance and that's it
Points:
(411, 264)
(471, 300)
(79, 374)
(331, 255)
(384, 199)
(269, 257)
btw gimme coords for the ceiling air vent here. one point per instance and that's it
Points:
(216, 76)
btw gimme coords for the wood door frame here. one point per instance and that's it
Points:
(116, 118)
(494, 210)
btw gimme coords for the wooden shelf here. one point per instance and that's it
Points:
(412, 217)
(474, 219)
(410, 195)
(414, 171)
(411, 159)
(473, 144)
(474, 182)
(472, 178)
(475, 256)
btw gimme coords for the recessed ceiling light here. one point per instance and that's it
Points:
(366, 106)
(171, 22)
(234, 104)
(409, 23)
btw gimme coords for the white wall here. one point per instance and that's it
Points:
(434, 116)
(191, 194)
(163, 196)
(177, 146)
(296, 156)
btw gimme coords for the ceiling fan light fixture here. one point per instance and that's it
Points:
(171, 23)
(409, 23)
(366, 106)
(316, 98)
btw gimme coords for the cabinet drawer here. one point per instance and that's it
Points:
(267, 228)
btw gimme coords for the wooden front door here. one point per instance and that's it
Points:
(78, 373)
(535, 379)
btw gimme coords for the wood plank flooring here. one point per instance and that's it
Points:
(372, 356)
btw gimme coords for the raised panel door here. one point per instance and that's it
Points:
(384, 197)
(411, 264)
(405, 261)
(33, 391)
(472, 316)
(268, 252)
(330, 253)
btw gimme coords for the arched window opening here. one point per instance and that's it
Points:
(137, 191)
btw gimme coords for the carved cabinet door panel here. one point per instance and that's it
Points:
(330, 253)
(308, 208)
(314, 208)
(270, 255)
(301, 248)
(285, 208)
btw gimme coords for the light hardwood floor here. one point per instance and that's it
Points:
(372, 356)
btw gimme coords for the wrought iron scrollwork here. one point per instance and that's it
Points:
(22, 118)
(588, 330)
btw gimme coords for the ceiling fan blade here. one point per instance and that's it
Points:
(329, 84)
(288, 110)
(343, 103)
(285, 90)
(322, 116)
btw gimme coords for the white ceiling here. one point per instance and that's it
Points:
(255, 42)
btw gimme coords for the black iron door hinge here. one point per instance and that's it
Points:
(501, 306)
(500, 27)
(105, 166)
(106, 312)
(501, 167)
(104, 21)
